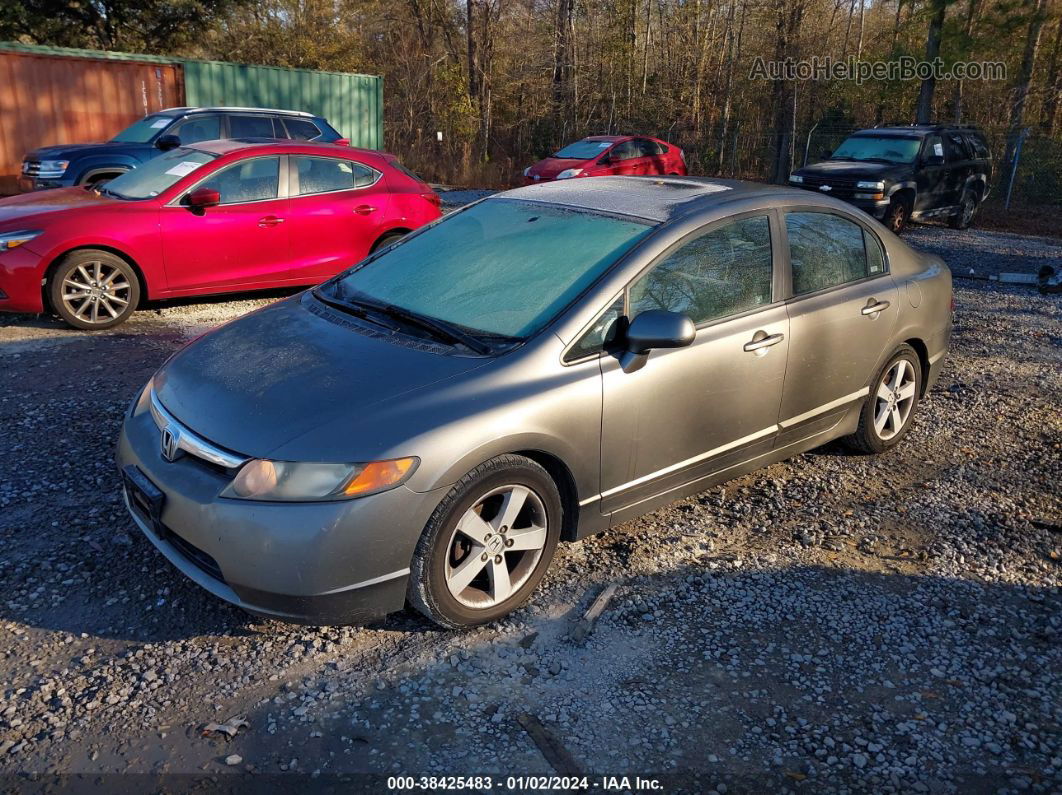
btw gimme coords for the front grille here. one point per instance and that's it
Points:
(841, 188)
(193, 554)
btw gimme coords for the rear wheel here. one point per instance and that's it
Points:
(888, 410)
(897, 215)
(386, 240)
(965, 215)
(488, 544)
(93, 289)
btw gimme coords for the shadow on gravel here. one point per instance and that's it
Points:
(756, 678)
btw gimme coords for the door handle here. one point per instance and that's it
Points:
(759, 344)
(269, 220)
(873, 308)
(364, 209)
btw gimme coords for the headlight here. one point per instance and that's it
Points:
(796, 178)
(871, 185)
(527, 171)
(569, 172)
(50, 169)
(285, 481)
(10, 240)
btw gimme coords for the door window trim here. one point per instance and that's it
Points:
(788, 265)
(293, 177)
(282, 182)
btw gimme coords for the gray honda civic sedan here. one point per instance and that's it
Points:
(427, 426)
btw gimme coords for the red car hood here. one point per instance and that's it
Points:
(552, 166)
(46, 202)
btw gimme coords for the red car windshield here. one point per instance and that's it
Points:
(155, 176)
(583, 150)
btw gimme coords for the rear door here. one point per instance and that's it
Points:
(626, 158)
(842, 314)
(338, 210)
(653, 159)
(243, 242)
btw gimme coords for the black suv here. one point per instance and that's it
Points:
(86, 164)
(907, 172)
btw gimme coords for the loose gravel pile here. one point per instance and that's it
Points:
(887, 624)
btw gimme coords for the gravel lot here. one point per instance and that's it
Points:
(834, 622)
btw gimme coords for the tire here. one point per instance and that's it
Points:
(897, 214)
(93, 290)
(873, 435)
(436, 581)
(963, 219)
(386, 240)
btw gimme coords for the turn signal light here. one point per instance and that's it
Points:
(380, 475)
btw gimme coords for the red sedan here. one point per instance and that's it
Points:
(601, 155)
(216, 217)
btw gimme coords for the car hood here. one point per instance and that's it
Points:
(552, 166)
(38, 205)
(293, 367)
(852, 169)
(74, 151)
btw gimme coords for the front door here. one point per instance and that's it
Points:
(931, 176)
(693, 411)
(842, 314)
(338, 207)
(244, 241)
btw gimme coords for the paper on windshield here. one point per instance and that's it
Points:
(160, 122)
(183, 168)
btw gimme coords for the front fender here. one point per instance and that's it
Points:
(85, 168)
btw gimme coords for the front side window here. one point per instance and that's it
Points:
(878, 148)
(722, 272)
(198, 128)
(328, 174)
(157, 174)
(503, 266)
(934, 147)
(827, 250)
(256, 179)
(251, 127)
(599, 335)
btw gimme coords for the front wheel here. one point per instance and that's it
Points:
(888, 410)
(897, 215)
(93, 290)
(488, 544)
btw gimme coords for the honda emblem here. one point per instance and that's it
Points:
(171, 444)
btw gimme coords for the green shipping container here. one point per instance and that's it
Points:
(352, 103)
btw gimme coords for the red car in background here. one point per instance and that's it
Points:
(601, 155)
(216, 217)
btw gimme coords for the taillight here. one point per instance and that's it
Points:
(433, 197)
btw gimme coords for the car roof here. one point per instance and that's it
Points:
(917, 130)
(280, 145)
(230, 109)
(658, 199)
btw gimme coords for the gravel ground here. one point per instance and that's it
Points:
(834, 622)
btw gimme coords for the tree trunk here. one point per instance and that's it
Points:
(1053, 89)
(1021, 85)
(967, 43)
(924, 107)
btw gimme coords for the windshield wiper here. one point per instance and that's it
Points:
(352, 308)
(440, 329)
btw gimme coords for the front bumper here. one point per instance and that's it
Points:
(29, 184)
(343, 562)
(21, 272)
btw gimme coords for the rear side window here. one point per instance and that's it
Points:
(955, 146)
(328, 174)
(251, 127)
(251, 180)
(651, 148)
(722, 272)
(826, 250)
(198, 128)
(978, 146)
(302, 129)
(626, 151)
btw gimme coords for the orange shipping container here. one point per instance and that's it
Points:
(46, 100)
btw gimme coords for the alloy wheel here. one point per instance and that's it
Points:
(496, 546)
(95, 292)
(967, 211)
(894, 399)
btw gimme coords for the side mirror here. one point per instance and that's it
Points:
(167, 142)
(825, 154)
(201, 198)
(655, 329)
(935, 160)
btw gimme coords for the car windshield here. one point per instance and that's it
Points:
(887, 148)
(144, 130)
(583, 150)
(156, 175)
(503, 267)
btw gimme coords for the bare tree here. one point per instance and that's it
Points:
(924, 106)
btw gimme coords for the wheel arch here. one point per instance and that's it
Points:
(89, 174)
(565, 482)
(923, 359)
(396, 230)
(58, 258)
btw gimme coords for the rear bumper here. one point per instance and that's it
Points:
(21, 272)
